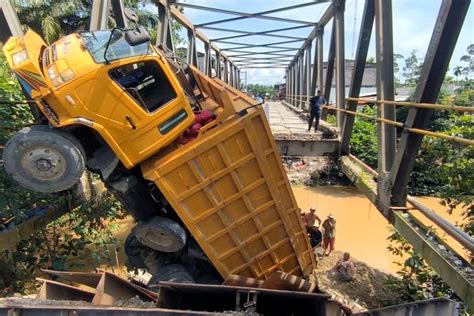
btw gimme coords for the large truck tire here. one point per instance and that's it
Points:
(162, 234)
(44, 160)
(171, 273)
(134, 251)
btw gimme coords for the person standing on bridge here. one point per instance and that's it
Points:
(316, 102)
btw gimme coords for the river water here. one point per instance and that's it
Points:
(360, 228)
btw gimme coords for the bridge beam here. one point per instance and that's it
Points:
(301, 79)
(119, 13)
(330, 68)
(99, 15)
(163, 32)
(358, 71)
(307, 75)
(218, 65)
(9, 23)
(446, 31)
(295, 82)
(320, 58)
(340, 59)
(191, 54)
(385, 86)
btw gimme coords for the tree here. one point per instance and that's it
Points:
(469, 59)
(412, 69)
(260, 90)
(416, 280)
(53, 18)
(396, 68)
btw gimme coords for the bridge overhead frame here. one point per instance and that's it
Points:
(271, 55)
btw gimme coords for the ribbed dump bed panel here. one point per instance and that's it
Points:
(230, 189)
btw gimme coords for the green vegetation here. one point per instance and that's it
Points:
(417, 281)
(260, 90)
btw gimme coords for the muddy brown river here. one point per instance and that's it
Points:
(360, 228)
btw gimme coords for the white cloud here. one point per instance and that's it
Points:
(265, 76)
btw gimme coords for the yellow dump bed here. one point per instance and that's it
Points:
(229, 188)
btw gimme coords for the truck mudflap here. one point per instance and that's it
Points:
(229, 188)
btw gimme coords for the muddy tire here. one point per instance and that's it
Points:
(44, 160)
(162, 234)
(134, 251)
(172, 273)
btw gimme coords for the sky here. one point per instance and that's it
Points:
(413, 23)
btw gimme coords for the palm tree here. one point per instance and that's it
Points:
(54, 18)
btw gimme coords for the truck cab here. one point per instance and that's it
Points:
(102, 81)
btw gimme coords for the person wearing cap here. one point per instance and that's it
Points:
(315, 236)
(329, 234)
(310, 219)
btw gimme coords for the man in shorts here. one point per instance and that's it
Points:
(329, 234)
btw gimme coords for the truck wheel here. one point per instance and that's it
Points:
(133, 250)
(44, 160)
(172, 273)
(162, 234)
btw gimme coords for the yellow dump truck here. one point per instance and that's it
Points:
(190, 157)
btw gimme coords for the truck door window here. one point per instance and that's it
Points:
(146, 83)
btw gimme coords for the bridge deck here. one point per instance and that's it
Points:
(288, 125)
(290, 130)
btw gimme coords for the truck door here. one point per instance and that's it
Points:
(145, 101)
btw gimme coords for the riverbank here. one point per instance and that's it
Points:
(368, 290)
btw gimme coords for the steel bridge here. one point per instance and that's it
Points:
(386, 187)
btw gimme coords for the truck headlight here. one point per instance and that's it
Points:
(20, 57)
(54, 76)
(59, 78)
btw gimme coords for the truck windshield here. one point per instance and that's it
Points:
(96, 42)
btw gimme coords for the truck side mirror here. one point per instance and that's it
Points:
(137, 36)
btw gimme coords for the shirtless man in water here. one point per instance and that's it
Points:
(310, 219)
